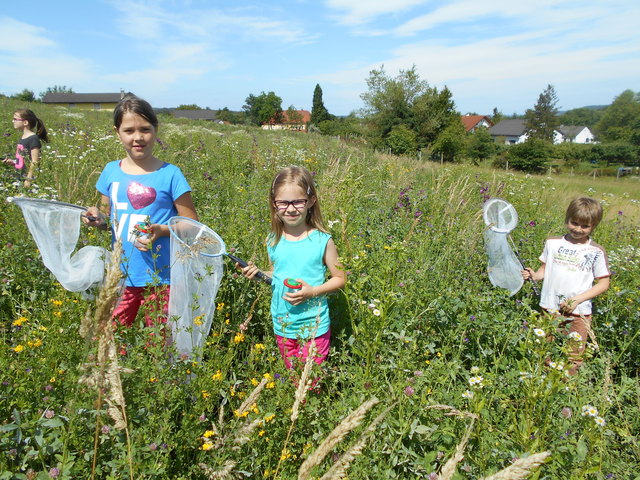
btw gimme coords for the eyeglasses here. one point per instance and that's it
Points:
(15, 119)
(298, 204)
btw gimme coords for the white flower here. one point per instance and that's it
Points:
(589, 411)
(525, 375)
(600, 421)
(575, 336)
(553, 365)
(376, 312)
(467, 394)
(474, 370)
(539, 332)
(476, 381)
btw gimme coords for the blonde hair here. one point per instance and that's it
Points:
(584, 210)
(301, 177)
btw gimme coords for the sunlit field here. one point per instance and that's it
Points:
(433, 372)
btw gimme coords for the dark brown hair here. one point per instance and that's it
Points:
(35, 124)
(132, 104)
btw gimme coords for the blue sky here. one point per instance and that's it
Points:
(491, 53)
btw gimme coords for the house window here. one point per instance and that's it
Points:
(96, 106)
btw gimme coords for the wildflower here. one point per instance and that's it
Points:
(600, 421)
(57, 313)
(49, 414)
(467, 394)
(476, 381)
(105, 429)
(220, 306)
(205, 394)
(575, 336)
(270, 385)
(408, 391)
(239, 338)
(261, 433)
(376, 312)
(217, 376)
(259, 347)
(206, 446)
(254, 382)
(209, 434)
(474, 370)
(553, 365)
(18, 348)
(538, 332)
(54, 472)
(19, 321)
(57, 303)
(589, 411)
(268, 418)
(566, 412)
(153, 380)
(153, 446)
(198, 320)
(285, 454)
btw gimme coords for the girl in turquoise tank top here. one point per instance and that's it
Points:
(300, 252)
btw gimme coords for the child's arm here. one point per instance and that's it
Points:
(538, 275)
(336, 281)
(35, 158)
(250, 271)
(184, 206)
(568, 305)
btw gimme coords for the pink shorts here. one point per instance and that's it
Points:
(133, 298)
(292, 347)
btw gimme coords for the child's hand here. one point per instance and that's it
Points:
(527, 273)
(567, 306)
(93, 218)
(249, 271)
(144, 243)
(302, 295)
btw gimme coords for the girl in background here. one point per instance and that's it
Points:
(140, 193)
(29, 145)
(300, 252)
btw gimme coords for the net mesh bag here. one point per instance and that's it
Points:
(55, 227)
(196, 273)
(503, 266)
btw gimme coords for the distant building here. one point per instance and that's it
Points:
(473, 122)
(573, 134)
(84, 101)
(196, 114)
(298, 124)
(509, 131)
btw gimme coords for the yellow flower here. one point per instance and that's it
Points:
(238, 338)
(285, 454)
(18, 348)
(268, 376)
(270, 385)
(206, 446)
(205, 394)
(153, 380)
(35, 344)
(52, 379)
(198, 320)
(259, 347)
(268, 418)
(254, 409)
(42, 328)
(254, 382)
(217, 375)
(220, 306)
(209, 434)
(261, 433)
(57, 303)
(241, 415)
(57, 313)
(19, 321)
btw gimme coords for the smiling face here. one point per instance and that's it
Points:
(578, 231)
(138, 136)
(292, 214)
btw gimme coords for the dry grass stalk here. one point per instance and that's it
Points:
(224, 472)
(449, 468)
(339, 469)
(305, 381)
(521, 468)
(242, 436)
(252, 398)
(350, 422)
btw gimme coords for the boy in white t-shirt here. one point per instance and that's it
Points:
(570, 265)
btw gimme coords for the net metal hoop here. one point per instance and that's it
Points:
(44, 201)
(499, 215)
(197, 236)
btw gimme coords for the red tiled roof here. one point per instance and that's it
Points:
(305, 114)
(471, 121)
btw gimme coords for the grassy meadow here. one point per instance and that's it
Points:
(433, 372)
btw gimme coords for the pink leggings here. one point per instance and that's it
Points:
(294, 348)
(135, 297)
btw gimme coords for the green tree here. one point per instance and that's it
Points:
(227, 115)
(25, 95)
(496, 116)
(190, 106)
(542, 120)
(481, 145)
(401, 140)
(318, 111)
(531, 156)
(263, 108)
(405, 100)
(294, 116)
(55, 89)
(451, 141)
(621, 119)
(581, 116)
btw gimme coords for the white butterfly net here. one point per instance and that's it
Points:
(503, 267)
(196, 273)
(55, 227)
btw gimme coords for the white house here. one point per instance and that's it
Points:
(573, 134)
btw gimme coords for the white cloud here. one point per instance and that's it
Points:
(20, 37)
(356, 12)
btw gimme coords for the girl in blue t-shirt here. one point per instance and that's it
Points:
(300, 251)
(140, 193)
(29, 145)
